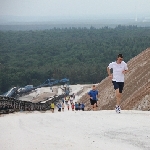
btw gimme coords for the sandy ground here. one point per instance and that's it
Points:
(88, 130)
(72, 130)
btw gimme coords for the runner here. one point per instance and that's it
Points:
(82, 106)
(71, 99)
(79, 106)
(59, 107)
(68, 106)
(119, 69)
(76, 106)
(63, 106)
(52, 107)
(72, 106)
(93, 97)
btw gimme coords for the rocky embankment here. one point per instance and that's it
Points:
(136, 94)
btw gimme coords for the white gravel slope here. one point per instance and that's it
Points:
(101, 130)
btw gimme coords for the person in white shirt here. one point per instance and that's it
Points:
(119, 68)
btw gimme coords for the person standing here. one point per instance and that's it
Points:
(82, 106)
(63, 106)
(72, 106)
(119, 68)
(79, 106)
(52, 107)
(76, 106)
(68, 106)
(71, 99)
(59, 107)
(93, 97)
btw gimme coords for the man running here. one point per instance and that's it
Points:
(93, 97)
(119, 69)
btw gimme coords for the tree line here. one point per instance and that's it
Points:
(80, 54)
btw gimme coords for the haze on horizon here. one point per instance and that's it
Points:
(45, 10)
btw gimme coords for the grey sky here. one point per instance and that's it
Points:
(69, 8)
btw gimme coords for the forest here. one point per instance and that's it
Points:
(80, 54)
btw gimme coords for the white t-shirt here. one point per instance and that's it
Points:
(118, 76)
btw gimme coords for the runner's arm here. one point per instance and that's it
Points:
(90, 95)
(109, 73)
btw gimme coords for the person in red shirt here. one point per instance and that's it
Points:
(72, 106)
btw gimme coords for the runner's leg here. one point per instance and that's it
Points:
(94, 107)
(118, 97)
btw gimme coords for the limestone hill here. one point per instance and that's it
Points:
(136, 94)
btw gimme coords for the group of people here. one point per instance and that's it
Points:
(116, 72)
(73, 106)
(68, 98)
(59, 105)
(79, 106)
(69, 103)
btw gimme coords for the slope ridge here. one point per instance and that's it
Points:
(136, 94)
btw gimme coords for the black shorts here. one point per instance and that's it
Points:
(118, 85)
(93, 102)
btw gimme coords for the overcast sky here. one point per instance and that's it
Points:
(33, 10)
(73, 8)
